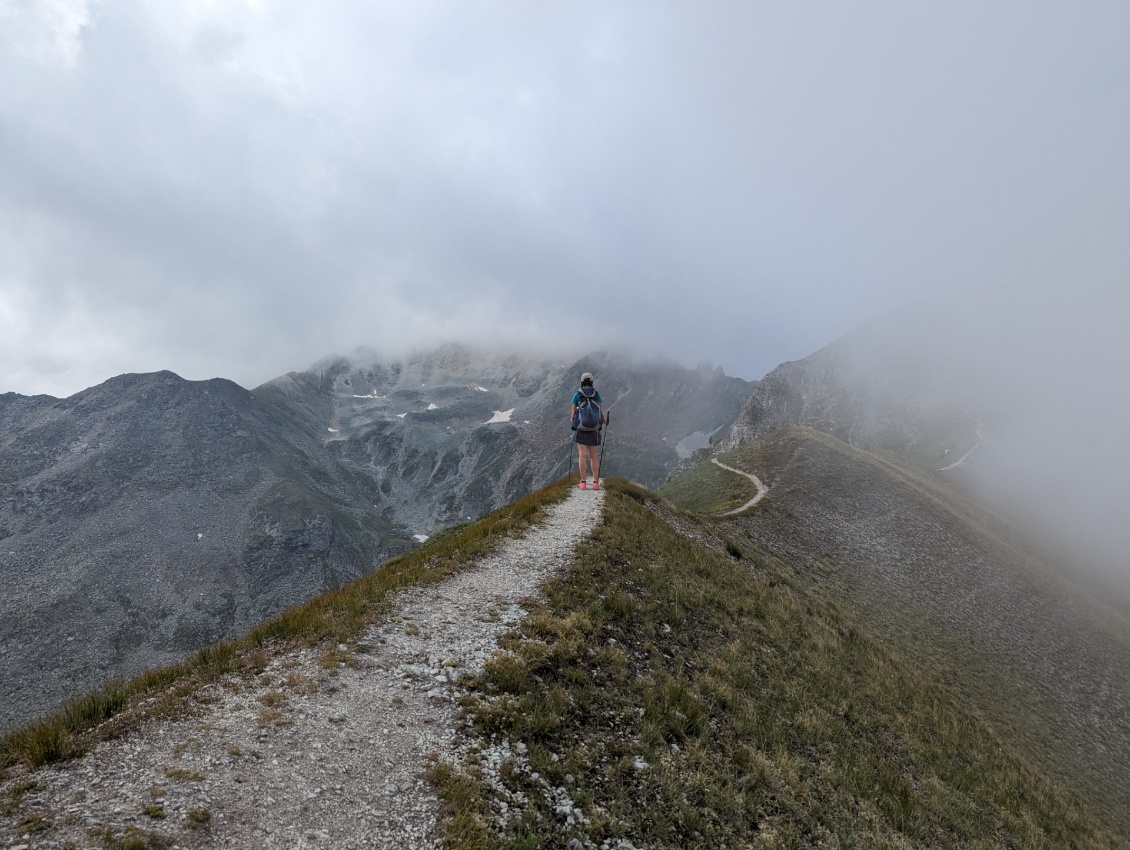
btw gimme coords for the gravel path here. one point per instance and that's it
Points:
(980, 433)
(762, 490)
(305, 756)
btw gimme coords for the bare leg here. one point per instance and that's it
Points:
(594, 463)
(581, 460)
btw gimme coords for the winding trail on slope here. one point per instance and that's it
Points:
(762, 490)
(980, 438)
(316, 753)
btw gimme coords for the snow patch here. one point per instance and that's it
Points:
(332, 430)
(433, 406)
(401, 415)
(500, 416)
(482, 389)
(419, 538)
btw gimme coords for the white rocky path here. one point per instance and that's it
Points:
(762, 490)
(980, 434)
(303, 756)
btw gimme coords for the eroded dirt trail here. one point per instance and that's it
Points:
(304, 756)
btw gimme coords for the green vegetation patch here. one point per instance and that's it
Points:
(129, 838)
(181, 774)
(677, 697)
(709, 489)
(337, 617)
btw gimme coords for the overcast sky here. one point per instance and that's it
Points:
(239, 187)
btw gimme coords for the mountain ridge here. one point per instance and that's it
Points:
(879, 387)
(172, 513)
(671, 687)
(964, 593)
(127, 508)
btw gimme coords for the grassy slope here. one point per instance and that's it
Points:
(1039, 671)
(339, 616)
(709, 489)
(683, 697)
(958, 510)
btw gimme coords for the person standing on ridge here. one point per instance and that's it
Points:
(587, 417)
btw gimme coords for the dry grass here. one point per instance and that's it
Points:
(129, 838)
(334, 618)
(199, 818)
(983, 604)
(695, 699)
(709, 489)
(180, 774)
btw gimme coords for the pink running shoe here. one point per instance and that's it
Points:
(582, 485)
(596, 485)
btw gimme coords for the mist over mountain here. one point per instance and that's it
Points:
(456, 431)
(978, 602)
(149, 515)
(1021, 398)
(959, 482)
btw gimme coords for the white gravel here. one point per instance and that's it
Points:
(305, 756)
(762, 490)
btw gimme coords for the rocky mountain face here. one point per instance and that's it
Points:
(148, 516)
(151, 515)
(884, 386)
(450, 434)
(932, 487)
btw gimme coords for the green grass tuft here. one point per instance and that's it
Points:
(465, 811)
(688, 699)
(336, 617)
(709, 489)
(198, 818)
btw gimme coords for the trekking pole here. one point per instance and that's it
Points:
(604, 442)
(569, 454)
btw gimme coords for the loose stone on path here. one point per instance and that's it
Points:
(299, 758)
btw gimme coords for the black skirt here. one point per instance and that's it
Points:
(588, 438)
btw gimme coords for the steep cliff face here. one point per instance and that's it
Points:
(150, 515)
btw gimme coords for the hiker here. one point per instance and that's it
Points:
(586, 417)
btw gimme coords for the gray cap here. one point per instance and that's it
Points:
(586, 377)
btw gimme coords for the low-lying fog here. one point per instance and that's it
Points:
(1047, 371)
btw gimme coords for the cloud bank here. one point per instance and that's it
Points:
(239, 188)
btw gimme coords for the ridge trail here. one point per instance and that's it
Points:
(762, 490)
(303, 756)
(980, 434)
